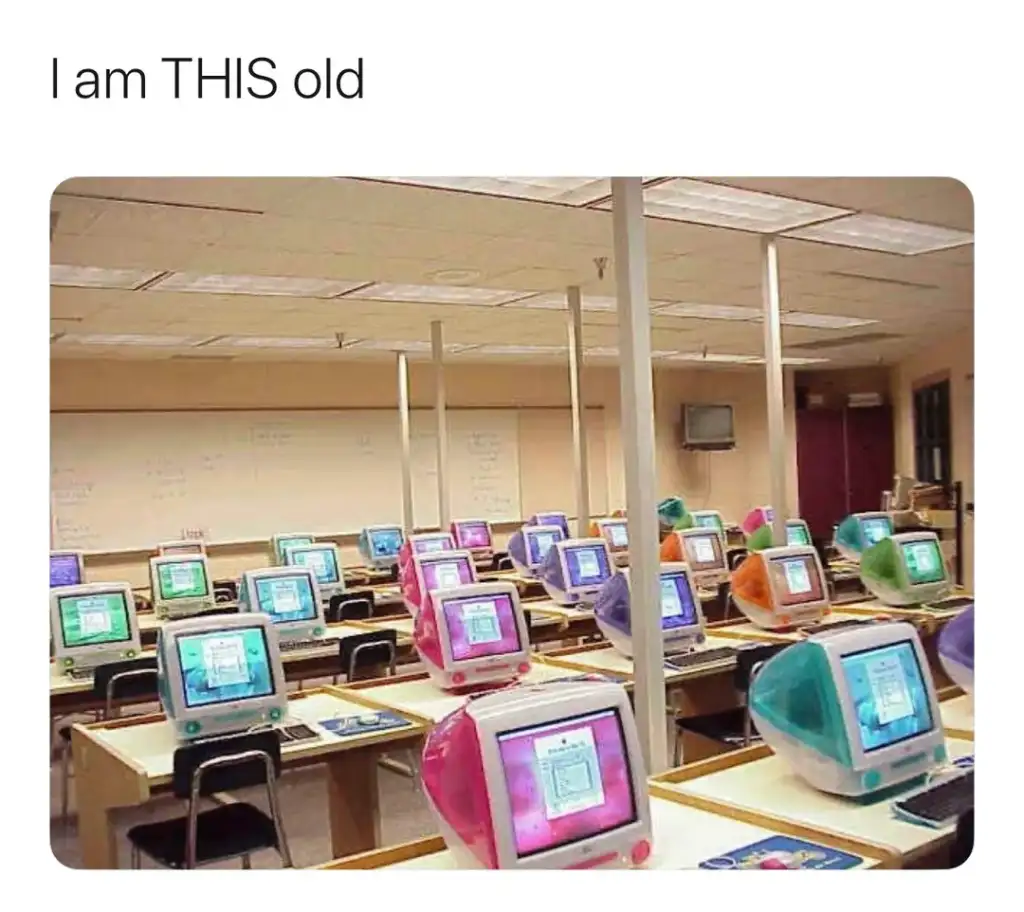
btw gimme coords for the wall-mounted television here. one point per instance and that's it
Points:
(708, 427)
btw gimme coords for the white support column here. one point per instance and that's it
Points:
(581, 466)
(440, 409)
(774, 387)
(403, 420)
(638, 452)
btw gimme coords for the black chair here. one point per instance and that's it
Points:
(367, 650)
(502, 562)
(226, 831)
(731, 727)
(963, 842)
(724, 599)
(349, 606)
(132, 679)
(736, 557)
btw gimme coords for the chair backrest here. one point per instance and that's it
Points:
(227, 775)
(135, 679)
(225, 590)
(349, 607)
(364, 650)
(502, 561)
(747, 659)
(736, 557)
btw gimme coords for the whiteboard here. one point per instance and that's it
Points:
(125, 481)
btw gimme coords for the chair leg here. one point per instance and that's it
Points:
(136, 858)
(414, 765)
(246, 862)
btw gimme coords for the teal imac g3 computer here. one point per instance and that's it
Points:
(187, 546)
(854, 711)
(287, 540)
(180, 585)
(325, 562)
(220, 675)
(379, 545)
(290, 597)
(67, 568)
(859, 531)
(93, 624)
(906, 569)
(708, 519)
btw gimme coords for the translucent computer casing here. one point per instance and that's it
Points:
(414, 577)
(305, 555)
(305, 629)
(522, 547)
(475, 536)
(282, 540)
(554, 572)
(433, 638)
(672, 513)
(884, 573)
(91, 655)
(850, 540)
(801, 703)
(551, 518)
(165, 606)
(424, 543)
(683, 545)
(612, 613)
(956, 650)
(760, 595)
(368, 552)
(69, 567)
(225, 717)
(708, 519)
(465, 781)
(756, 518)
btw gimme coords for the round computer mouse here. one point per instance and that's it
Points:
(773, 864)
(371, 718)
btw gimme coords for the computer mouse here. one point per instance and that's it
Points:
(773, 864)
(371, 718)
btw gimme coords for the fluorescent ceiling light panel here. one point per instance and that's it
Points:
(794, 361)
(712, 357)
(154, 341)
(613, 352)
(572, 191)
(557, 300)
(436, 294)
(710, 312)
(888, 235)
(687, 200)
(522, 349)
(98, 277)
(274, 342)
(823, 321)
(287, 286)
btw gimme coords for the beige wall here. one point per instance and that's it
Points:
(952, 358)
(729, 481)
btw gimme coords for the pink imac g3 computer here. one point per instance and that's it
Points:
(440, 570)
(472, 635)
(424, 543)
(541, 776)
(474, 535)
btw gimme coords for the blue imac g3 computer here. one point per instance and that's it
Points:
(325, 562)
(379, 546)
(290, 597)
(575, 570)
(852, 711)
(220, 675)
(529, 545)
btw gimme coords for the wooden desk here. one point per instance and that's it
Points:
(958, 716)
(124, 762)
(756, 785)
(682, 837)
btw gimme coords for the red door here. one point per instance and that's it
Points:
(871, 456)
(821, 471)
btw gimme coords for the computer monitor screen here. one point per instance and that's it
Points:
(539, 543)
(481, 625)
(182, 579)
(385, 542)
(704, 551)
(924, 562)
(617, 534)
(322, 561)
(890, 698)
(446, 574)
(225, 666)
(473, 534)
(440, 542)
(796, 534)
(677, 608)
(286, 598)
(94, 619)
(875, 528)
(795, 580)
(567, 781)
(587, 565)
(707, 521)
(283, 544)
(65, 570)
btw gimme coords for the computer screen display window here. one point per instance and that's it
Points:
(795, 580)
(567, 781)
(385, 542)
(286, 598)
(587, 565)
(707, 521)
(796, 534)
(890, 698)
(875, 528)
(283, 544)
(322, 561)
(65, 570)
(617, 534)
(481, 625)
(94, 619)
(432, 545)
(225, 666)
(182, 579)
(677, 608)
(704, 552)
(539, 543)
(446, 574)
(924, 562)
(474, 535)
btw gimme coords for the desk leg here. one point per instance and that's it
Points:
(354, 802)
(96, 837)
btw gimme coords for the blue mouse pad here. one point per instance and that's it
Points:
(346, 726)
(964, 762)
(795, 854)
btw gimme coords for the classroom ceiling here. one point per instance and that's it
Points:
(261, 268)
